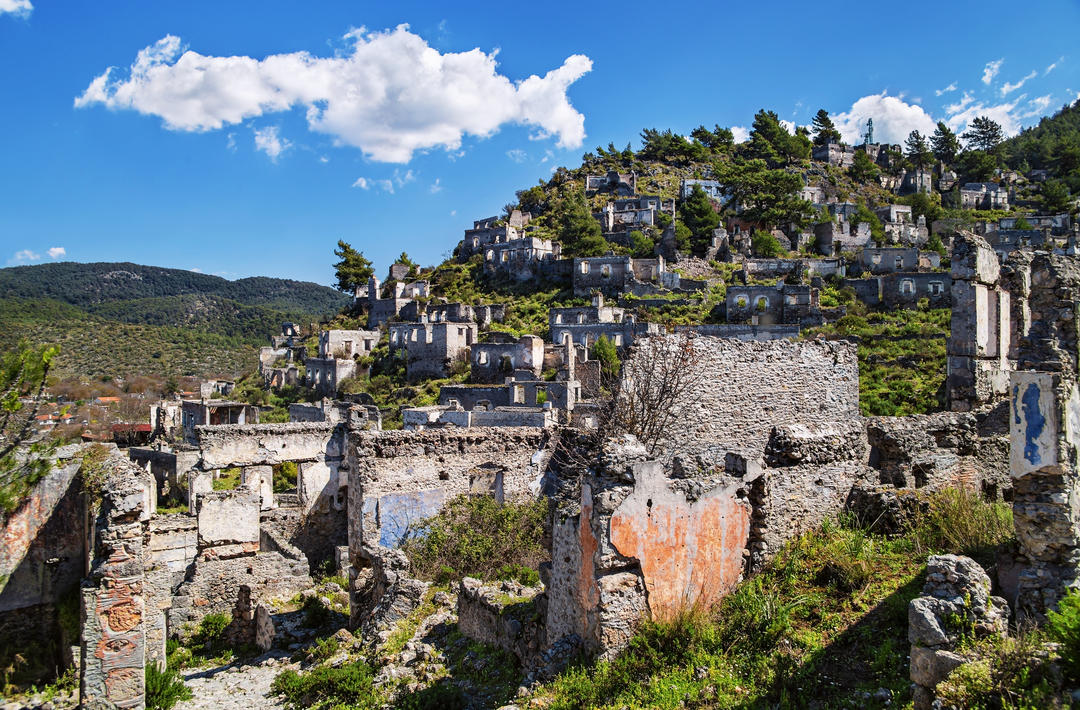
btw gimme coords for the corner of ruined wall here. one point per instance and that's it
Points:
(1044, 416)
(114, 612)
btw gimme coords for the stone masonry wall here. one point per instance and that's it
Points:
(113, 598)
(748, 387)
(396, 478)
(42, 561)
(1044, 401)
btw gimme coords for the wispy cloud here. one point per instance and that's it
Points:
(947, 89)
(741, 133)
(517, 155)
(368, 183)
(991, 70)
(19, 8)
(436, 186)
(1008, 88)
(57, 252)
(390, 95)
(23, 256)
(1054, 66)
(270, 142)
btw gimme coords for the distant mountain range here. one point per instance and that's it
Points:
(124, 319)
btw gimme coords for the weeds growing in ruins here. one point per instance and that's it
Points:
(826, 619)
(959, 521)
(164, 688)
(478, 537)
(351, 685)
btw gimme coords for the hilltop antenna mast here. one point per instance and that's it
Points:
(869, 131)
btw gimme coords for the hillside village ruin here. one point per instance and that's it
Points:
(766, 441)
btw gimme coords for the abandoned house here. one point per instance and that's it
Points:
(431, 349)
(984, 196)
(785, 304)
(620, 184)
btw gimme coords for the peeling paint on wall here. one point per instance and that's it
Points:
(690, 553)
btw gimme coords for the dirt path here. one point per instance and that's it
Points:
(236, 686)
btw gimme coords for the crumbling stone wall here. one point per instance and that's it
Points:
(748, 387)
(732, 480)
(41, 563)
(942, 450)
(114, 608)
(396, 478)
(1044, 417)
(231, 555)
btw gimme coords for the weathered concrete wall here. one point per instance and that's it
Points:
(690, 550)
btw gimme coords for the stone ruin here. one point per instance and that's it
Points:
(767, 445)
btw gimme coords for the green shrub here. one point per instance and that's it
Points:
(476, 536)
(518, 573)
(443, 695)
(316, 615)
(209, 638)
(164, 689)
(1063, 626)
(351, 685)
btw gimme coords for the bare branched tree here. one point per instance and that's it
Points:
(658, 381)
(650, 398)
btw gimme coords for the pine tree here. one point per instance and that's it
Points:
(984, 134)
(354, 270)
(945, 144)
(918, 150)
(824, 129)
(579, 231)
(698, 215)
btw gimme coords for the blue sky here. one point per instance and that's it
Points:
(245, 138)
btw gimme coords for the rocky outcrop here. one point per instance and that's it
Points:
(955, 605)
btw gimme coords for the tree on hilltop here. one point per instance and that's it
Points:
(984, 134)
(945, 144)
(824, 129)
(354, 270)
(917, 150)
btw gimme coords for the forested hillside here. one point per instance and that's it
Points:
(89, 284)
(127, 319)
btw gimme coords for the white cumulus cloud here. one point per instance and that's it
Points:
(21, 8)
(991, 70)
(894, 119)
(57, 252)
(1008, 88)
(268, 141)
(390, 96)
(740, 133)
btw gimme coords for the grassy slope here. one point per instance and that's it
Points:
(824, 625)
